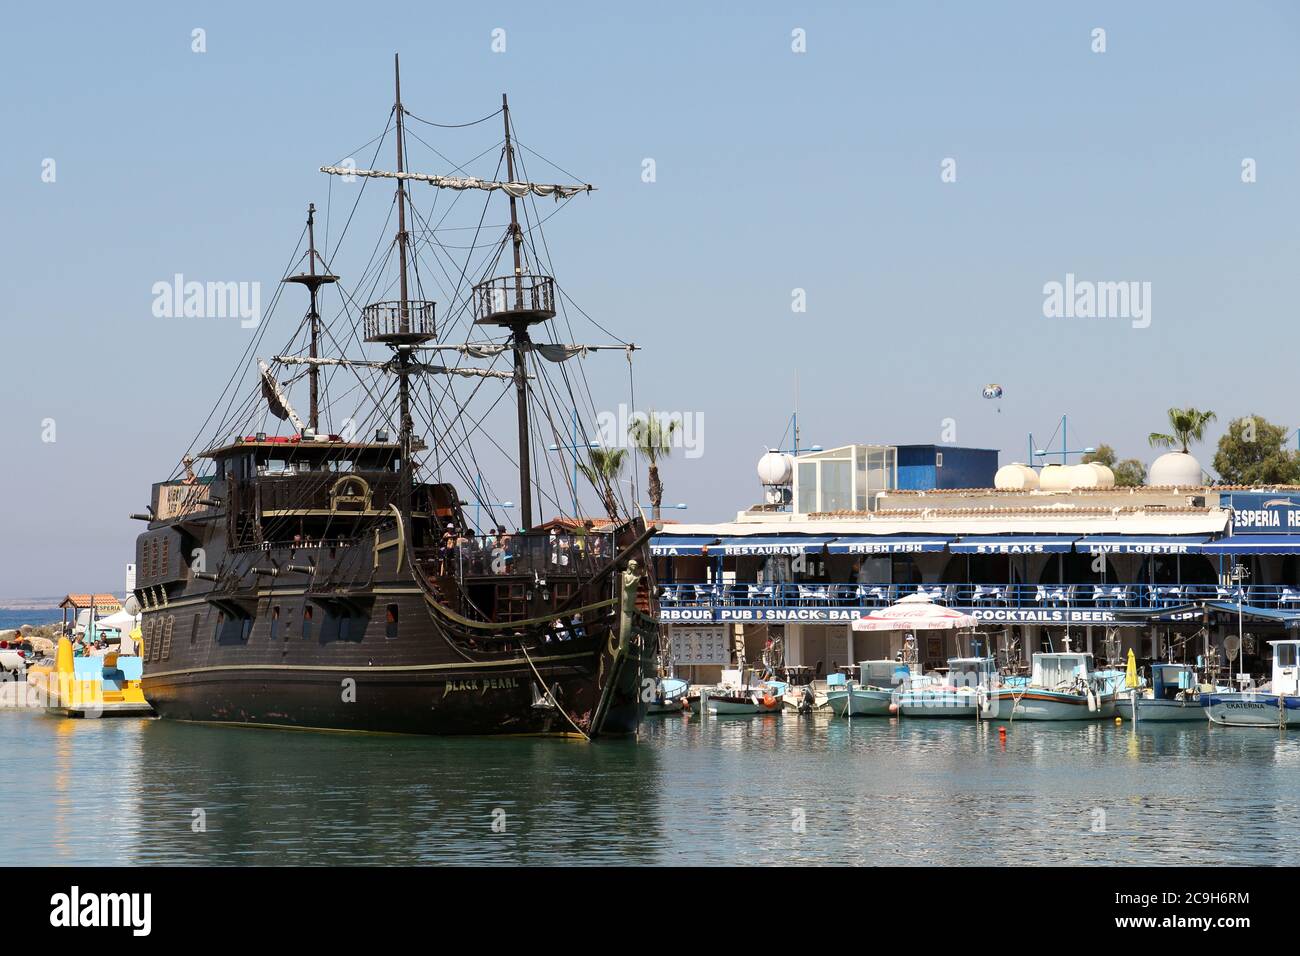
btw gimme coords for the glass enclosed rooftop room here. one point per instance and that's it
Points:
(845, 478)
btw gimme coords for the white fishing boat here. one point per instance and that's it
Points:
(1276, 704)
(1061, 686)
(1175, 694)
(953, 695)
(734, 697)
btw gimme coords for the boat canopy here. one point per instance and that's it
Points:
(1142, 544)
(1053, 670)
(1014, 544)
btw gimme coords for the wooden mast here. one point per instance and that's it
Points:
(313, 280)
(313, 373)
(519, 340)
(404, 317)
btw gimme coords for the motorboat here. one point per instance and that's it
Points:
(1061, 686)
(1276, 704)
(952, 695)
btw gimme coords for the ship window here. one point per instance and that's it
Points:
(306, 622)
(345, 625)
(194, 630)
(275, 622)
(1286, 655)
(221, 622)
(390, 629)
(245, 628)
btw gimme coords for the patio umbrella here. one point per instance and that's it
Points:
(916, 612)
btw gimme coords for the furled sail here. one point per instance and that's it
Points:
(391, 365)
(518, 190)
(276, 399)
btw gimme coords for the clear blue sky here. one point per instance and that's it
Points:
(775, 171)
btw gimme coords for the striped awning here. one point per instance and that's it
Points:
(887, 544)
(774, 544)
(1014, 544)
(1254, 544)
(1141, 544)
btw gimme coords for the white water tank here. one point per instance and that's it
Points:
(1175, 468)
(1016, 476)
(776, 468)
(1056, 478)
(1105, 477)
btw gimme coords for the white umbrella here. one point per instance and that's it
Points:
(916, 612)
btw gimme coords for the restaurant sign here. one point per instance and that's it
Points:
(1256, 513)
(741, 615)
(1054, 615)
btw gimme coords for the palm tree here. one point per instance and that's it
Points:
(602, 470)
(653, 438)
(1186, 424)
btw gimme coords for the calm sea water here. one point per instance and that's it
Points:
(731, 790)
(11, 619)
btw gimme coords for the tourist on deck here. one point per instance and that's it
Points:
(448, 561)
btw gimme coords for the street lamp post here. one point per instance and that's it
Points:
(574, 446)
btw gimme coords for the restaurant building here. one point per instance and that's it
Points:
(1173, 572)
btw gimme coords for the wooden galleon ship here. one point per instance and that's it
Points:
(354, 570)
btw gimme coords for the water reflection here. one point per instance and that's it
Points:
(772, 789)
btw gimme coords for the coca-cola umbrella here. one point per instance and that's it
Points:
(916, 612)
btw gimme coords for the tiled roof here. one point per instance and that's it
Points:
(84, 601)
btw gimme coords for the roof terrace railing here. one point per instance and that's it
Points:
(1089, 596)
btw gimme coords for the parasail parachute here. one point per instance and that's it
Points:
(993, 391)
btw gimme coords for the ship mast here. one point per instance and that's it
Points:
(404, 323)
(313, 280)
(519, 340)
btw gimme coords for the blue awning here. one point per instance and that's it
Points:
(772, 544)
(1254, 544)
(886, 544)
(1141, 544)
(672, 545)
(1289, 618)
(1014, 544)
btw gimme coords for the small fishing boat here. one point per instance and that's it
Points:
(734, 696)
(953, 696)
(764, 699)
(670, 696)
(1175, 694)
(1276, 704)
(872, 695)
(1061, 686)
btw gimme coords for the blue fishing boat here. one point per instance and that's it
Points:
(669, 697)
(1276, 704)
(1175, 693)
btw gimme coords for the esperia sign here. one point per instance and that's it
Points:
(1255, 512)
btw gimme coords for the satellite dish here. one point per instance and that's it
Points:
(1232, 647)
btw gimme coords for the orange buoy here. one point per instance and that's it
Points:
(768, 700)
(1002, 732)
(893, 708)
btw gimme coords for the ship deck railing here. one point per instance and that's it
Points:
(1078, 596)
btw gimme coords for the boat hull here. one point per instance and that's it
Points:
(938, 702)
(1005, 704)
(1150, 710)
(1253, 710)
(860, 702)
(738, 705)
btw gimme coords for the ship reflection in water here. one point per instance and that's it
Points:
(779, 789)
